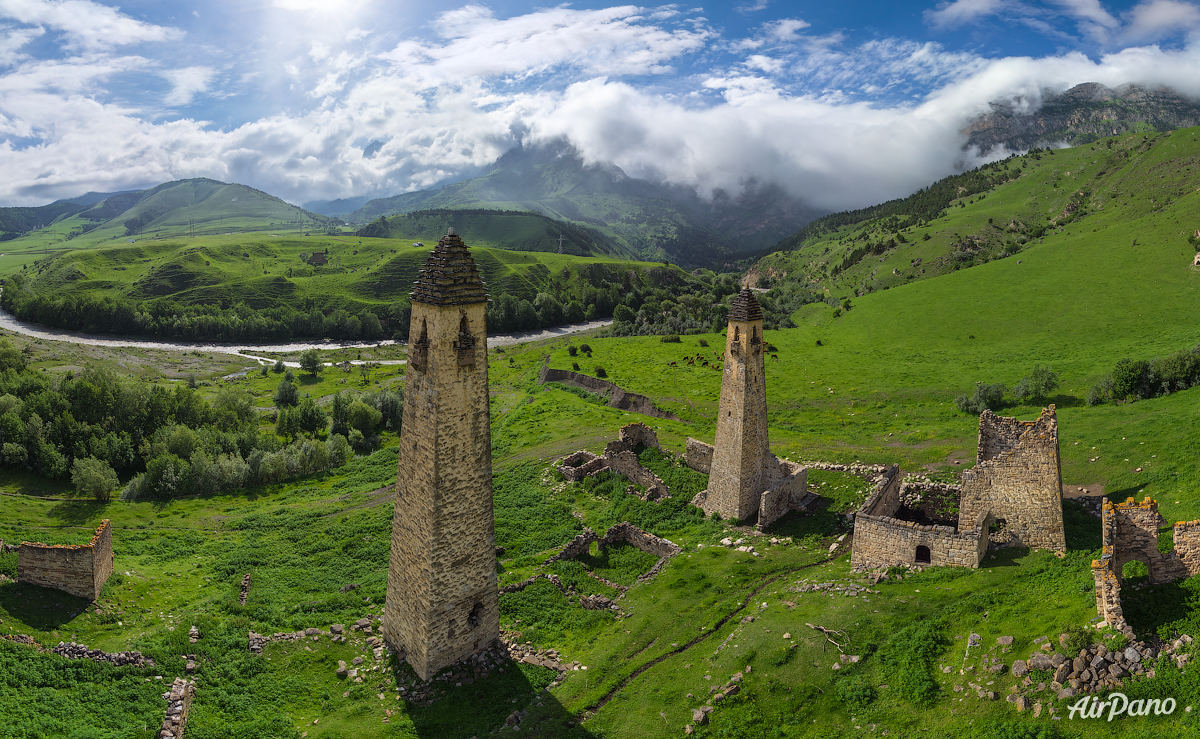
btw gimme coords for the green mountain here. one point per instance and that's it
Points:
(1082, 115)
(1144, 182)
(652, 221)
(184, 207)
(528, 231)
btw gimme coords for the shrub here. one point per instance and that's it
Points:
(671, 339)
(1078, 637)
(575, 366)
(985, 398)
(855, 692)
(585, 348)
(278, 367)
(600, 371)
(572, 350)
(907, 658)
(1037, 385)
(702, 342)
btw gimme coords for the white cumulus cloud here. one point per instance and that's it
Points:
(86, 24)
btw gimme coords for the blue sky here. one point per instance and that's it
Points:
(845, 103)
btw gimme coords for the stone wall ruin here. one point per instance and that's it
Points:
(1129, 532)
(617, 396)
(1018, 478)
(77, 569)
(620, 457)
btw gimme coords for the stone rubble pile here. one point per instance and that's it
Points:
(193, 635)
(245, 588)
(336, 631)
(71, 650)
(598, 603)
(854, 469)
(847, 589)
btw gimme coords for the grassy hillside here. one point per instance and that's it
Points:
(517, 231)
(1135, 187)
(184, 208)
(260, 286)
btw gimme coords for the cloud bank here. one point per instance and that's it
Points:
(662, 93)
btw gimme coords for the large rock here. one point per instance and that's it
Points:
(1132, 655)
(1020, 669)
(1066, 693)
(1062, 673)
(1039, 661)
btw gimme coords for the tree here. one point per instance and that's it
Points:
(233, 407)
(986, 397)
(624, 314)
(311, 418)
(287, 424)
(310, 361)
(286, 394)
(278, 367)
(94, 477)
(364, 418)
(341, 414)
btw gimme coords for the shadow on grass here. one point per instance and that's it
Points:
(822, 521)
(78, 513)
(1151, 608)
(44, 609)
(1004, 557)
(1082, 528)
(467, 705)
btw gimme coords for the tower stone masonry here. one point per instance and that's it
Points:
(742, 463)
(442, 600)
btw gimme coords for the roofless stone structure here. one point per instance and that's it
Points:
(442, 600)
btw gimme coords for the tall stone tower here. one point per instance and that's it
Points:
(442, 600)
(742, 463)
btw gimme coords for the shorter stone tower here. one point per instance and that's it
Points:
(442, 600)
(742, 463)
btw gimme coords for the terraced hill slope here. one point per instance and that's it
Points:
(1138, 187)
(519, 231)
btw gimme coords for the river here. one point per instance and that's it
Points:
(8, 322)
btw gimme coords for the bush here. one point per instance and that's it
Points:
(855, 692)
(1078, 637)
(572, 350)
(94, 477)
(702, 342)
(985, 398)
(600, 371)
(278, 367)
(1037, 385)
(585, 348)
(575, 366)
(671, 339)
(907, 658)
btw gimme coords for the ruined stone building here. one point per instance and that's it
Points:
(1129, 532)
(620, 457)
(78, 569)
(442, 599)
(745, 479)
(1016, 485)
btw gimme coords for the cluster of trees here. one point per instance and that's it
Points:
(208, 322)
(97, 428)
(1137, 379)
(1034, 387)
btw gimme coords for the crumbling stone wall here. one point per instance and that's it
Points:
(698, 455)
(620, 458)
(179, 703)
(1129, 531)
(789, 494)
(629, 534)
(617, 397)
(1018, 478)
(78, 569)
(576, 547)
(442, 601)
(884, 499)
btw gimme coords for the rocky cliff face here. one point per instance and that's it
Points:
(1081, 115)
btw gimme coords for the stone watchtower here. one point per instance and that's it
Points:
(442, 600)
(742, 462)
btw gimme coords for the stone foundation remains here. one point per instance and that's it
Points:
(1129, 531)
(787, 482)
(1018, 479)
(617, 397)
(619, 457)
(78, 569)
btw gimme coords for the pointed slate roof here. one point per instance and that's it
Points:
(449, 276)
(744, 307)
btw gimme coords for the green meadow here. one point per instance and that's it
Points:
(874, 382)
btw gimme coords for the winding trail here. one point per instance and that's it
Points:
(589, 711)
